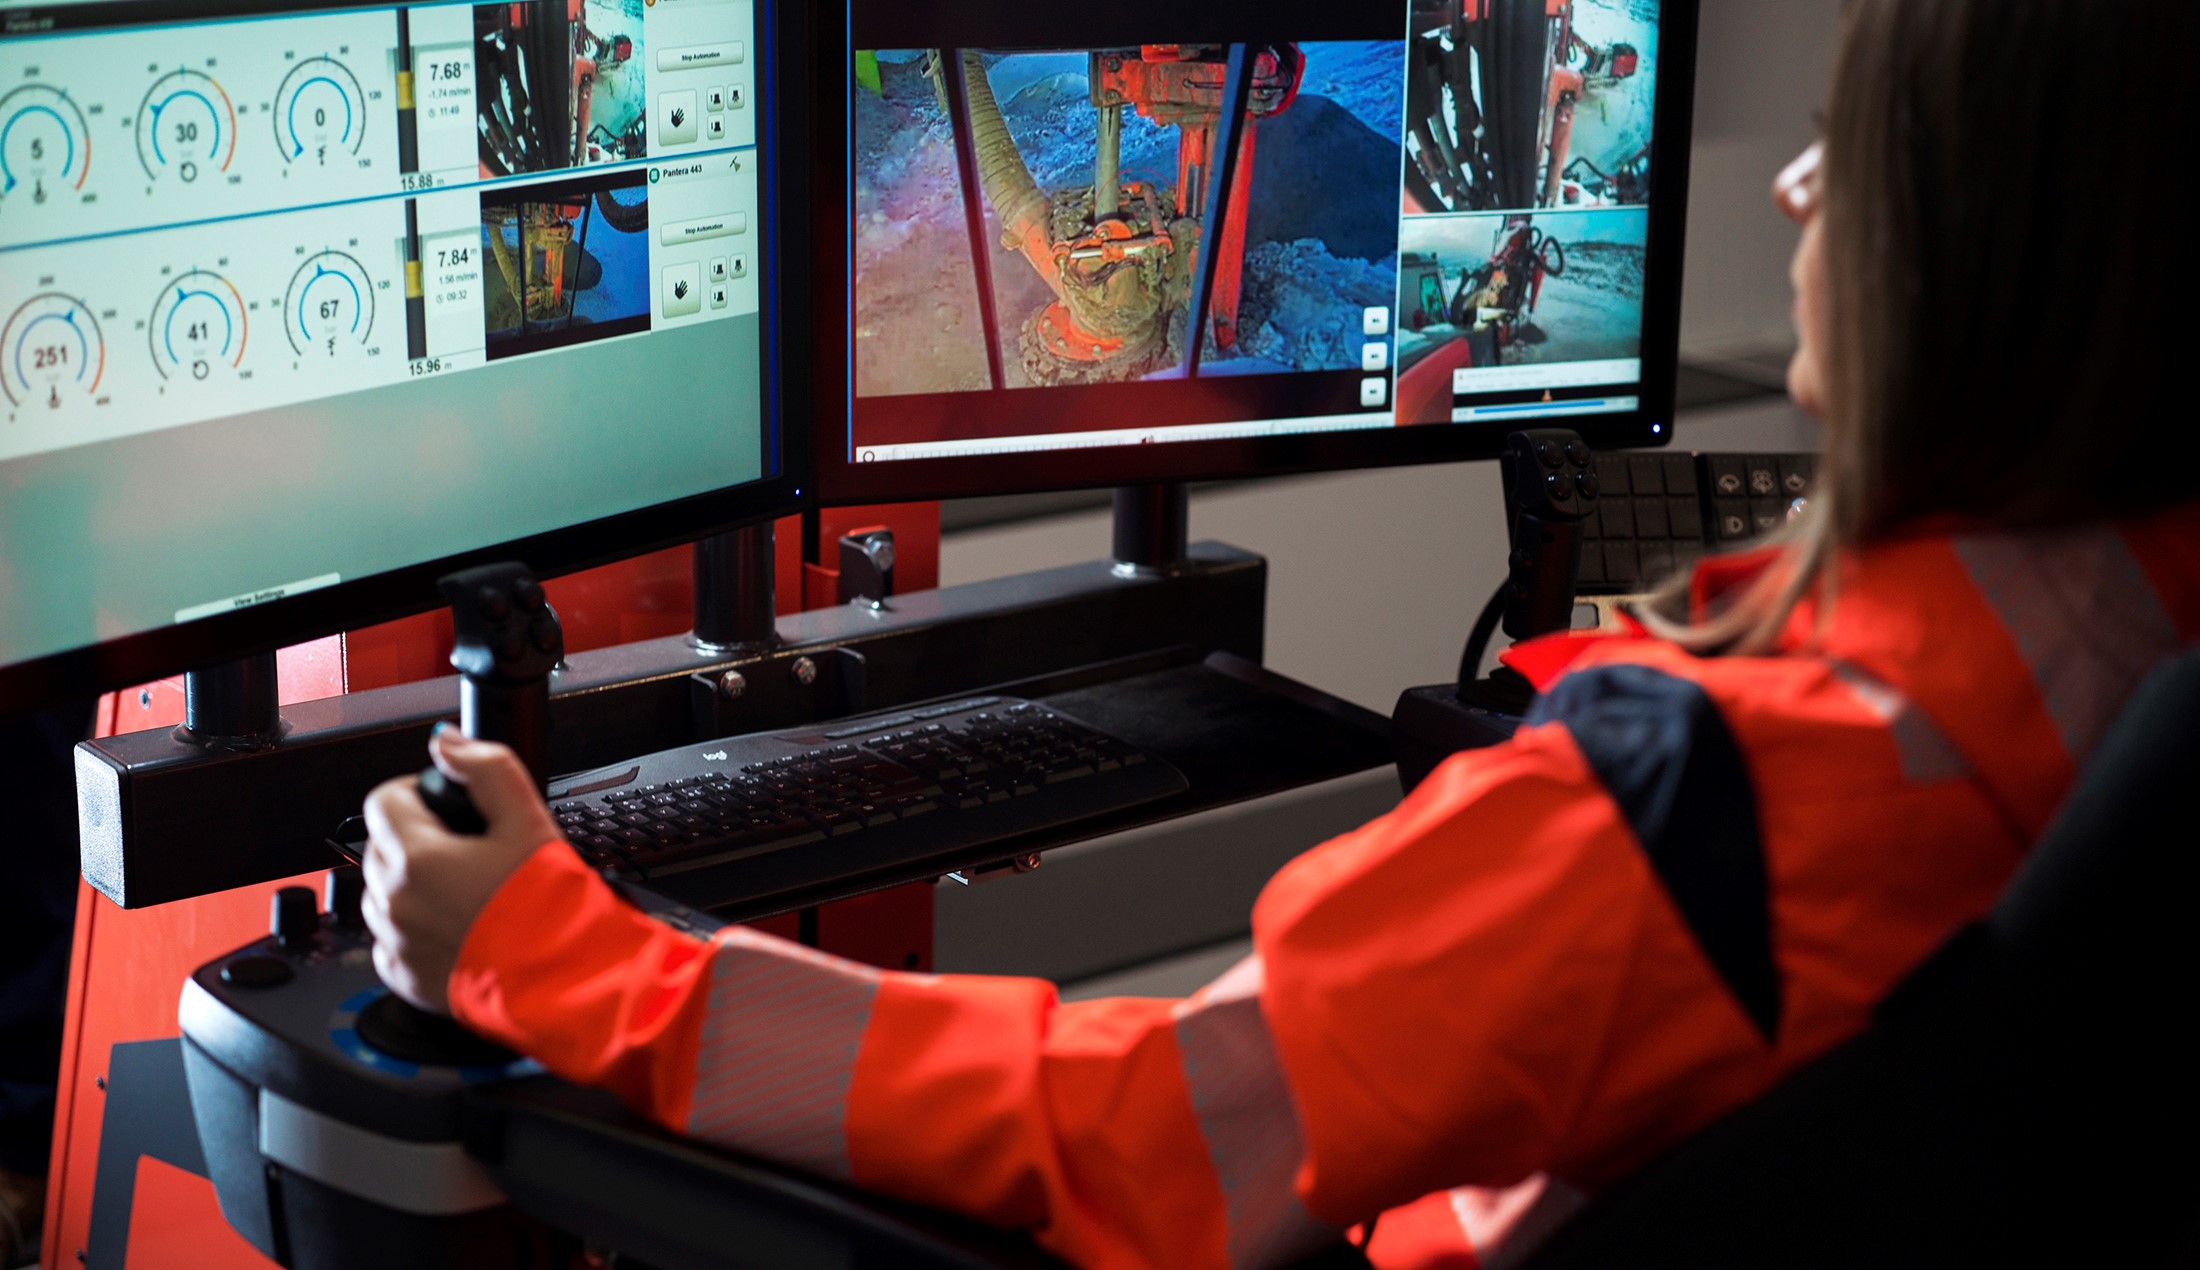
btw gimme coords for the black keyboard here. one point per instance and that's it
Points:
(877, 791)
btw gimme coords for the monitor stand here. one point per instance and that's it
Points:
(1152, 529)
(736, 592)
(234, 706)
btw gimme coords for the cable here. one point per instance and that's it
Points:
(1478, 642)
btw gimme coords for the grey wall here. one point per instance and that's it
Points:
(1763, 67)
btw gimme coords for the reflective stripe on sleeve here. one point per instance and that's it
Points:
(1247, 1120)
(1928, 756)
(2083, 615)
(1506, 1226)
(778, 1051)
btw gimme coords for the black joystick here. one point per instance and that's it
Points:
(508, 642)
(1550, 481)
(1550, 490)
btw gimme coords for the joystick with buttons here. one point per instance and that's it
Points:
(345, 1129)
(508, 642)
(331, 1109)
(1551, 489)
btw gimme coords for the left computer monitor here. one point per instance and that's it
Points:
(303, 304)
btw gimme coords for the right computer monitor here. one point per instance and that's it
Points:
(1072, 258)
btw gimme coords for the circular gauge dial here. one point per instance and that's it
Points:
(320, 113)
(186, 127)
(53, 349)
(45, 145)
(198, 327)
(330, 305)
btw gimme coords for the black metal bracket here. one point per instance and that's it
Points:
(779, 688)
(163, 820)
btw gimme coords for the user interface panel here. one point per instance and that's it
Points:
(1438, 214)
(293, 297)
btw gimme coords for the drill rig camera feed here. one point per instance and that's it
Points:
(1480, 298)
(1514, 104)
(1093, 173)
(565, 263)
(559, 84)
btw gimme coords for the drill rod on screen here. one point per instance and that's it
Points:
(1236, 90)
(949, 67)
(408, 117)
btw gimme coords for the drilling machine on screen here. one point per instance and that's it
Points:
(1494, 303)
(536, 68)
(1492, 87)
(1119, 255)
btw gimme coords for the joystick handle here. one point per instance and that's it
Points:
(508, 642)
(451, 803)
(1550, 489)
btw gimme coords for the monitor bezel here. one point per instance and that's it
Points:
(82, 673)
(842, 482)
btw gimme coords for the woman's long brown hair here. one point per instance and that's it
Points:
(2006, 195)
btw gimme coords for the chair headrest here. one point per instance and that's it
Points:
(2124, 850)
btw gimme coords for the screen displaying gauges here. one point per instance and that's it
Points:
(295, 297)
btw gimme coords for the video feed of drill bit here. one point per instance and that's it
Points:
(1429, 212)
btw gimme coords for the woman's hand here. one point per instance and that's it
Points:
(425, 884)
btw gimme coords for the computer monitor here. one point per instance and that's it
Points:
(304, 304)
(1434, 221)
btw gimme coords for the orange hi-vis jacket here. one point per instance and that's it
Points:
(1555, 959)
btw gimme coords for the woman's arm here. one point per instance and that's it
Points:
(1491, 925)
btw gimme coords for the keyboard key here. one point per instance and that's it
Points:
(1685, 515)
(1796, 472)
(1764, 476)
(1729, 476)
(1621, 566)
(872, 814)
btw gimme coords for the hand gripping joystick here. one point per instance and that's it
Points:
(508, 643)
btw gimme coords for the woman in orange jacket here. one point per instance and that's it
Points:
(1711, 852)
